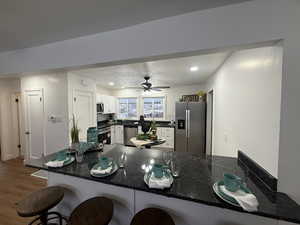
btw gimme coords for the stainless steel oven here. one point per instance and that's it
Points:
(104, 134)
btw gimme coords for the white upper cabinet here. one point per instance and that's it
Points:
(98, 98)
(109, 103)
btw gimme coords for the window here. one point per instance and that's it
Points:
(154, 108)
(127, 108)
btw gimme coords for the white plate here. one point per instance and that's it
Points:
(115, 168)
(146, 179)
(216, 190)
(67, 162)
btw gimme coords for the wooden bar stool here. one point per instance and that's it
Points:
(94, 211)
(39, 203)
(152, 216)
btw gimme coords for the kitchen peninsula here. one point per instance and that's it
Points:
(190, 200)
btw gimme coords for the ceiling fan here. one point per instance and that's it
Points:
(147, 86)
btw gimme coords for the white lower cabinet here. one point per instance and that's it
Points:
(166, 133)
(119, 134)
(113, 134)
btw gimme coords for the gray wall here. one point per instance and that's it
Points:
(249, 22)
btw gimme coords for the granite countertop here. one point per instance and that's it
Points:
(194, 184)
(132, 122)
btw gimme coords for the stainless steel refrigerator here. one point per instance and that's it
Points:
(190, 127)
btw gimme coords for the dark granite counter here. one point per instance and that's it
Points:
(194, 184)
(132, 122)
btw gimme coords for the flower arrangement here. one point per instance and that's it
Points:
(74, 131)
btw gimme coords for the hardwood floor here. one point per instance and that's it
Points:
(15, 184)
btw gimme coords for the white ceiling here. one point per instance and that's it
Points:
(26, 23)
(172, 72)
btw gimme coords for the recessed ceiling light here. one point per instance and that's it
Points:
(194, 68)
(111, 83)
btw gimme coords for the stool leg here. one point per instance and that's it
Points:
(60, 220)
(44, 219)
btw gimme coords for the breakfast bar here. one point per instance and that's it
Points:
(190, 200)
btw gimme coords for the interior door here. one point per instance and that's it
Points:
(35, 123)
(181, 128)
(197, 125)
(83, 109)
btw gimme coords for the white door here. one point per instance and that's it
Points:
(35, 123)
(83, 109)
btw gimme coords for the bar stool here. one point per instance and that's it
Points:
(94, 211)
(152, 216)
(39, 203)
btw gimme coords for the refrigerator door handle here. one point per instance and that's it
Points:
(189, 123)
(186, 123)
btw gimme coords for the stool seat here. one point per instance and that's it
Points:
(94, 211)
(152, 216)
(40, 202)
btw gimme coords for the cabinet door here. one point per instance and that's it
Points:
(113, 105)
(121, 135)
(105, 102)
(167, 134)
(98, 98)
(113, 135)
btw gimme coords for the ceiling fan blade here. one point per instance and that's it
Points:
(155, 89)
(161, 87)
(133, 88)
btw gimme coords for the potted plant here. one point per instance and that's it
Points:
(74, 133)
(153, 131)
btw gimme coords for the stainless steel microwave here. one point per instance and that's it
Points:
(100, 108)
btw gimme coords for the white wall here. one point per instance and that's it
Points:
(8, 142)
(172, 96)
(58, 95)
(103, 91)
(247, 99)
(245, 23)
(54, 86)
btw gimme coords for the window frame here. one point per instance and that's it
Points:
(137, 107)
(164, 104)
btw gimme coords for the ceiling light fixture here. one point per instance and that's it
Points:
(111, 83)
(194, 68)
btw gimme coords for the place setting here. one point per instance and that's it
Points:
(61, 159)
(161, 176)
(107, 166)
(234, 191)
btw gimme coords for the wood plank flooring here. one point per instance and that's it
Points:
(15, 184)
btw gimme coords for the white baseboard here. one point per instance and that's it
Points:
(8, 157)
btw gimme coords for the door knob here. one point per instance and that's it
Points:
(27, 132)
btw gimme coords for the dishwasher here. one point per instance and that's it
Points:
(130, 131)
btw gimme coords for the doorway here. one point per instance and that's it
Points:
(209, 122)
(34, 126)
